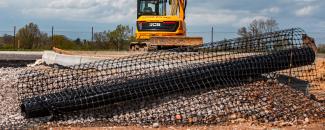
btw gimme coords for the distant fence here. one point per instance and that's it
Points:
(209, 35)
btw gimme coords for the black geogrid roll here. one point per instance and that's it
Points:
(193, 77)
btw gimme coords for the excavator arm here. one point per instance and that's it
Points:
(178, 6)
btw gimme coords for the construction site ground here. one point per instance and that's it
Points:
(318, 92)
(241, 126)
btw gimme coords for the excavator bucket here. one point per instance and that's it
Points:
(176, 41)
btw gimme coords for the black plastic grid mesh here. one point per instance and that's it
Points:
(228, 63)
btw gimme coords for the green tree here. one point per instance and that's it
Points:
(1, 42)
(101, 40)
(120, 38)
(7, 41)
(62, 42)
(77, 41)
(44, 42)
(29, 36)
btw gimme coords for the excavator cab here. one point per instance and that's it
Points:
(158, 28)
(152, 20)
(151, 7)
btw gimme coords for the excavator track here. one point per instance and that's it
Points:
(166, 42)
(176, 41)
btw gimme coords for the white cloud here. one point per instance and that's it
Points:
(101, 11)
(273, 10)
(234, 18)
(307, 1)
(3, 3)
(206, 16)
(322, 24)
(211, 18)
(306, 10)
(74, 4)
(247, 20)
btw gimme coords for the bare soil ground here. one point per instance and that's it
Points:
(241, 126)
(319, 91)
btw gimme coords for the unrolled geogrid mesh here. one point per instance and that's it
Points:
(228, 63)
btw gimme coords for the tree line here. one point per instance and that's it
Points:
(257, 27)
(30, 37)
(321, 48)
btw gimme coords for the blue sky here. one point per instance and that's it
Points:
(75, 17)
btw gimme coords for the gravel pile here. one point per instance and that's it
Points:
(10, 115)
(261, 102)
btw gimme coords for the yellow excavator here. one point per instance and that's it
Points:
(158, 29)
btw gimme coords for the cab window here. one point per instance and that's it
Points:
(151, 7)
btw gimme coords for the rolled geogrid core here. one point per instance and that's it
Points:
(180, 79)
